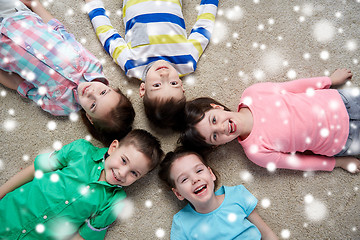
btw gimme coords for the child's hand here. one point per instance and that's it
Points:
(340, 76)
(348, 163)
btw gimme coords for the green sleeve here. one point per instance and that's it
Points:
(95, 227)
(48, 162)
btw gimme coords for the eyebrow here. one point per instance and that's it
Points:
(210, 139)
(197, 165)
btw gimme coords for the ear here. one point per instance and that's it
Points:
(177, 194)
(142, 89)
(213, 177)
(215, 106)
(113, 146)
(182, 86)
(90, 119)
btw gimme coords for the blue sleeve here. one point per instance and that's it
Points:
(177, 231)
(246, 200)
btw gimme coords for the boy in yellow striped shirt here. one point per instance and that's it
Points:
(155, 49)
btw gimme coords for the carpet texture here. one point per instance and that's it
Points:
(253, 41)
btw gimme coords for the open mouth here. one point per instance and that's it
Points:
(162, 67)
(200, 189)
(232, 127)
(113, 172)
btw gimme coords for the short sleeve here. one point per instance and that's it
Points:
(247, 201)
(96, 226)
(48, 162)
(60, 28)
(177, 231)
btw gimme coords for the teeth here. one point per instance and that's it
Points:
(199, 189)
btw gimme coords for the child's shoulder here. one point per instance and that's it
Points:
(81, 144)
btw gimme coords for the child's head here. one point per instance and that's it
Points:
(195, 114)
(188, 175)
(132, 157)
(107, 113)
(163, 95)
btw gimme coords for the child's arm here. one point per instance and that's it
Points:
(10, 80)
(297, 161)
(265, 230)
(340, 76)
(202, 30)
(39, 9)
(19, 179)
(77, 237)
(109, 37)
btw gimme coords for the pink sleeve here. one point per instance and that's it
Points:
(302, 85)
(298, 161)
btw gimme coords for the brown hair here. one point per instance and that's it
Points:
(145, 143)
(171, 157)
(118, 124)
(168, 113)
(194, 112)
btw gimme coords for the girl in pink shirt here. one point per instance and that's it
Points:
(299, 125)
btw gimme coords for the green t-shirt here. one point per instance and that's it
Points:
(64, 197)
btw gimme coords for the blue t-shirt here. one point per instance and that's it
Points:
(228, 221)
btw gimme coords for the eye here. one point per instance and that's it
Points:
(123, 160)
(174, 83)
(183, 180)
(134, 174)
(214, 136)
(103, 92)
(213, 120)
(199, 170)
(92, 106)
(156, 85)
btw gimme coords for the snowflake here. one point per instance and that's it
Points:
(285, 233)
(291, 74)
(324, 55)
(40, 228)
(148, 203)
(314, 209)
(10, 124)
(323, 31)
(265, 203)
(51, 125)
(160, 233)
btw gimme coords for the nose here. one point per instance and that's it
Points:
(164, 73)
(195, 180)
(220, 127)
(122, 173)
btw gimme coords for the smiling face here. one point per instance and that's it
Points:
(162, 81)
(219, 126)
(97, 99)
(193, 181)
(125, 164)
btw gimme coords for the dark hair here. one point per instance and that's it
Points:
(171, 157)
(168, 113)
(194, 112)
(118, 124)
(145, 143)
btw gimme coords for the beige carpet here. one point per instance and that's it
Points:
(254, 40)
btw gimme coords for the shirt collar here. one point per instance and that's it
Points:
(100, 155)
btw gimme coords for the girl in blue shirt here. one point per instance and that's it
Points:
(227, 213)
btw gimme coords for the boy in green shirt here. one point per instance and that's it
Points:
(75, 192)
